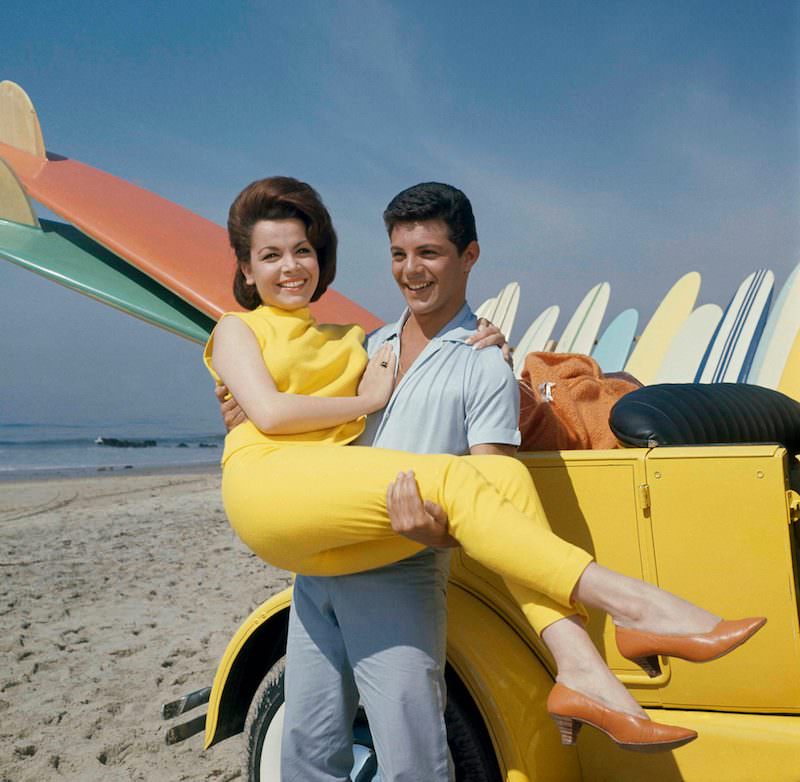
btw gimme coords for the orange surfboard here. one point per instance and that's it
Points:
(186, 253)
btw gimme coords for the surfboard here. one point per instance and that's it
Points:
(63, 254)
(581, 330)
(14, 202)
(486, 308)
(780, 333)
(652, 345)
(535, 338)
(505, 310)
(19, 124)
(686, 351)
(182, 251)
(732, 348)
(613, 347)
(790, 379)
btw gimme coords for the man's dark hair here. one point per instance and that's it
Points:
(434, 201)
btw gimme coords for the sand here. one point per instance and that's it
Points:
(119, 592)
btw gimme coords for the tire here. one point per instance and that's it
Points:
(264, 726)
(470, 745)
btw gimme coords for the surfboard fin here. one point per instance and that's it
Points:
(14, 202)
(19, 124)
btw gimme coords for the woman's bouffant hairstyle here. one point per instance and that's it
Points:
(280, 198)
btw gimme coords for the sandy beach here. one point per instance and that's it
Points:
(119, 592)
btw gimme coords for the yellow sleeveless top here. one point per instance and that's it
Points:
(303, 357)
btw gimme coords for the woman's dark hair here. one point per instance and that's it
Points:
(434, 201)
(280, 198)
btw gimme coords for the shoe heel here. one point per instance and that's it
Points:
(568, 728)
(649, 665)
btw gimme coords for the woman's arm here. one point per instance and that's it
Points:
(237, 359)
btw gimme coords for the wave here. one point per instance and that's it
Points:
(195, 441)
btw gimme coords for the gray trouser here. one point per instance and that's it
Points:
(379, 635)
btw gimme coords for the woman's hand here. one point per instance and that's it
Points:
(487, 335)
(377, 382)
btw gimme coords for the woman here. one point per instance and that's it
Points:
(304, 504)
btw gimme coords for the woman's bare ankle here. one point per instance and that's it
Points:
(641, 605)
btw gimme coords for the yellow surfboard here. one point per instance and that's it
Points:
(790, 379)
(652, 346)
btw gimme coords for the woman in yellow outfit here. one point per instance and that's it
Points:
(303, 503)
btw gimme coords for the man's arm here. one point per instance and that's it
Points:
(493, 449)
(421, 520)
(232, 414)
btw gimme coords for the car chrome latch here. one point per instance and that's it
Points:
(793, 501)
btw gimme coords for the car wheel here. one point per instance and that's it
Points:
(264, 727)
(470, 745)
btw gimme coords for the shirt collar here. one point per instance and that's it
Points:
(462, 325)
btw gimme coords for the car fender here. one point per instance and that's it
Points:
(509, 684)
(258, 643)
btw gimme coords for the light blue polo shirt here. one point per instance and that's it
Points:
(452, 397)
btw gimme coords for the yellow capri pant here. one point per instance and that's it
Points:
(320, 510)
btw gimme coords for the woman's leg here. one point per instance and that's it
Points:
(642, 606)
(513, 482)
(629, 601)
(581, 668)
(321, 510)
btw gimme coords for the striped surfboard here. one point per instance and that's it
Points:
(732, 348)
(780, 333)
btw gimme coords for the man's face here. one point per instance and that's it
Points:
(428, 268)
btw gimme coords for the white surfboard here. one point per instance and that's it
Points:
(535, 338)
(485, 307)
(616, 342)
(662, 327)
(732, 348)
(687, 349)
(780, 332)
(505, 310)
(581, 330)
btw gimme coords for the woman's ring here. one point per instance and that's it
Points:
(384, 364)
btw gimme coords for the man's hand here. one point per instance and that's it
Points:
(487, 335)
(232, 414)
(423, 522)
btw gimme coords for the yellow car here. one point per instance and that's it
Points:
(715, 523)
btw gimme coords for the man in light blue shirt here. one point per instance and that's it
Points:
(379, 636)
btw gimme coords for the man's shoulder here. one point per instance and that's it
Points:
(488, 361)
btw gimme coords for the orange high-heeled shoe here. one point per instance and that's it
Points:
(570, 710)
(644, 648)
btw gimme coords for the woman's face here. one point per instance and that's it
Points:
(283, 264)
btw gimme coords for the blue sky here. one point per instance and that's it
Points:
(628, 142)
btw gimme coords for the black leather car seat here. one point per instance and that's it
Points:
(704, 414)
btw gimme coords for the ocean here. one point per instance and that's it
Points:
(42, 449)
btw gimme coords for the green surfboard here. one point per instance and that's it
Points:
(63, 254)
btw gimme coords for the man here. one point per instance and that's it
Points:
(380, 635)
